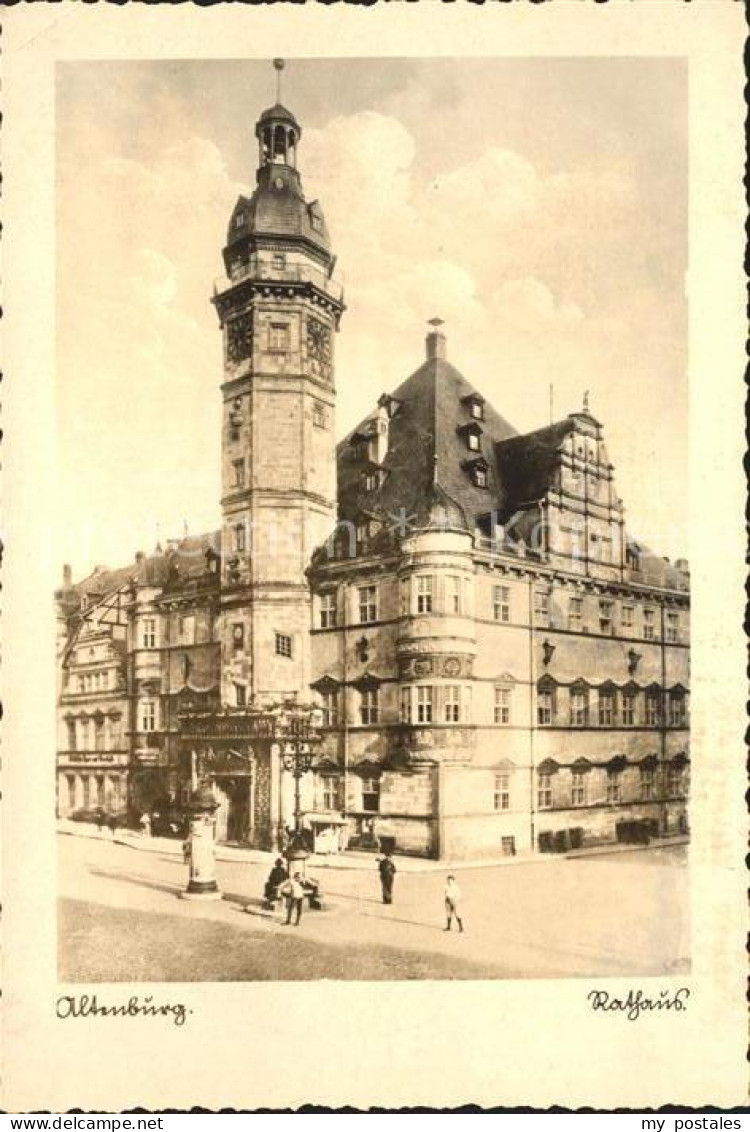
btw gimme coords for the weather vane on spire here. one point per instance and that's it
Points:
(279, 66)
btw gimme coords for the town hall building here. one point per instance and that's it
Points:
(488, 661)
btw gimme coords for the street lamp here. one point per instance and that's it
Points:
(297, 759)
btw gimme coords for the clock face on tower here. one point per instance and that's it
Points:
(319, 347)
(239, 337)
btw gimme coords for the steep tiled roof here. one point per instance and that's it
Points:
(527, 464)
(426, 447)
(184, 560)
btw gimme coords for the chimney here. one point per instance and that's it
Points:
(435, 340)
(67, 576)
(139, 556)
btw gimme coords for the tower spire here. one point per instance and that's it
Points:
(279, 67)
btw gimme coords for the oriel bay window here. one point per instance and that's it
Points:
(424, 593)
(452, 703)
(424, 704)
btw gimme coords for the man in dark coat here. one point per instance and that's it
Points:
(387, 871)
(276, 878)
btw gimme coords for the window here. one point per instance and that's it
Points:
(86, 783)
(328, 610)
(673, 627)
(330, 700)
(362, 533)
(578, 789)
(330, 791)
(675, 782)
(676, 709)
(81, 684)
(647, 784)
(239, 219)
(240, 695)
(649, 624)
(606, 709)
(368, 705)
(502, 705)
(544, 792)
(605, 617)
(628, 709)
(278, 261)
(283, 644)
(626, 616)
(71, 725)
(452, 703)
(371, 794)
(372, 481)
(545, 706)
(238, 635)
(319, 415)
(71, 783)
(614, 786)
(238, 467)
(541, 607)
(405, 705)
(477, 410)
(149, 633)
(239, 538)
(575, 612)
(501, 603)
(424, 594)
(424, 704)
(453, 603)
(472, 439)
(187, 628)
(148, 715)
(653, 713)
(501, 794)
(480, 477)
(579, 707)
(278, 336)
(368, 604)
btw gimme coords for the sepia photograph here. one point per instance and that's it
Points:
(373, 614)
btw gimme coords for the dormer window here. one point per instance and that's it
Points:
(472, 434)
(472, 439)
(475, 404)
(239, 219)
(478, 470)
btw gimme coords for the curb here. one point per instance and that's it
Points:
(349, 862)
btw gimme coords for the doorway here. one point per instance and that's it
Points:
(233, 814)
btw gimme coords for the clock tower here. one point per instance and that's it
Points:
(279, 308)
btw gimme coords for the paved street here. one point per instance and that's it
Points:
(621, 914)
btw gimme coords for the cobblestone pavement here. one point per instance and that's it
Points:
(121, 919)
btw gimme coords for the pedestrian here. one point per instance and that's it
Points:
(186, 851)
(276, 878)
(113, 824)
(294, 891)
(453, 904)
(146, 825)
(387, 871)
(100, 816)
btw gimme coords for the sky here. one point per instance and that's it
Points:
(539, 207)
